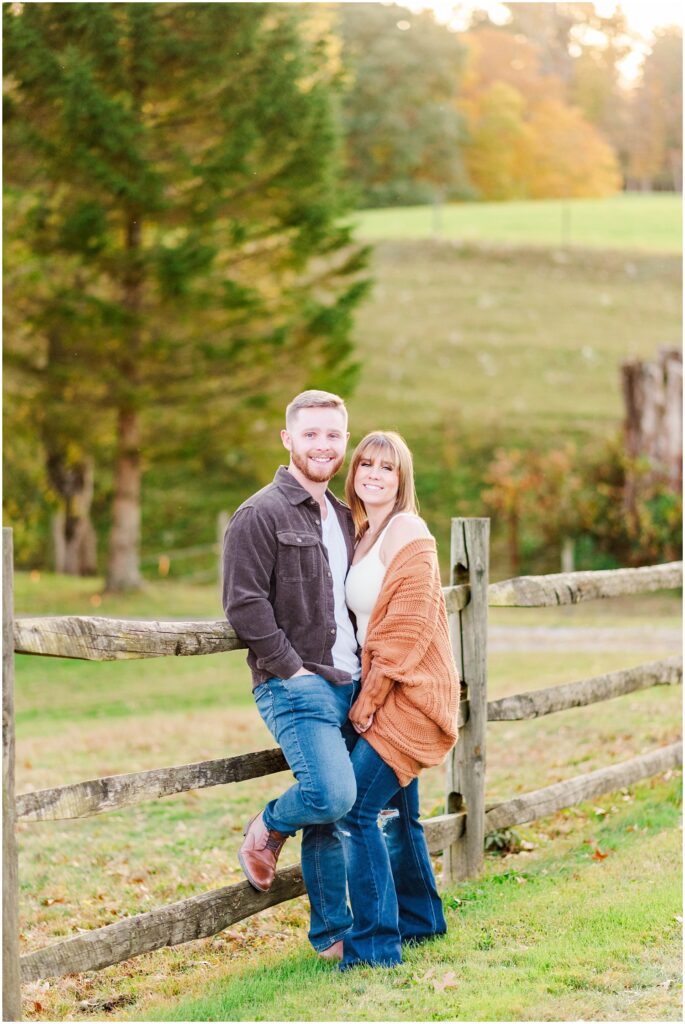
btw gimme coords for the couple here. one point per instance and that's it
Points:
(355, 733)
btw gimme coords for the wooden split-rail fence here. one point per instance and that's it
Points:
(459, 832)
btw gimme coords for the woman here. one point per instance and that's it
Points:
(406, 712)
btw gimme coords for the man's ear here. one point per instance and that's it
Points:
(285, 438)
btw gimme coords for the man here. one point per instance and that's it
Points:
(286, 554)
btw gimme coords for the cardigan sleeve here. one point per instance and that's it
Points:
(410, 622)
(377, 686)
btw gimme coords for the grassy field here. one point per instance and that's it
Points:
(561, 961)
(649, 222)
(464, 348)
(538, 938)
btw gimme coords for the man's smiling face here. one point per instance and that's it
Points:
(317, 442)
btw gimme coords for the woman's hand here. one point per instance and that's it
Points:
(362, 712)
(360, 729)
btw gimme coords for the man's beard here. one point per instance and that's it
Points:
(317, 472)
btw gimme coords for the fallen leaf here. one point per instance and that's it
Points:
(599, 811)
(49, 900)
(525, 845)
(37, 1007)
(598, 855)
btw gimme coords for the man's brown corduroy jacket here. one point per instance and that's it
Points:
(277, 583)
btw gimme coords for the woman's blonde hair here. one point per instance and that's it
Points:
(395, 447)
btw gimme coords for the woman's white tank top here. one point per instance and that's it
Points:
(364, 581)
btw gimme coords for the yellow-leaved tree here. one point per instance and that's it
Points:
(497, 155)
(525, 141)
(568, 156)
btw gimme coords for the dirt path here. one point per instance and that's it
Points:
(567, 638)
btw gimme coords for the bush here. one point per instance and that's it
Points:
(617, 510)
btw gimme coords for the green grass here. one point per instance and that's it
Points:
(558, 937)
(119, 717)
(628, 221)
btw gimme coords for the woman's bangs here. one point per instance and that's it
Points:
(381, 446)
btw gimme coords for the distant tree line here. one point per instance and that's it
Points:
(531, 109)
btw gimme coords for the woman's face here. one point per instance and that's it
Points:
(377, 479)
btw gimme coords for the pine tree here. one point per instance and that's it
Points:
(179, 165)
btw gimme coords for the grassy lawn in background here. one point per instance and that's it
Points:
(464, 347)
(649, 222)
(137, 715)
(521, 347)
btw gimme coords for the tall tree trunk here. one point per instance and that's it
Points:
(74, 538)
(124, 552)
(70, 472)
(124, 549)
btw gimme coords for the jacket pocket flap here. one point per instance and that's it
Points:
(297, 539)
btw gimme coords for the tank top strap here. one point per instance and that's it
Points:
(379, 539)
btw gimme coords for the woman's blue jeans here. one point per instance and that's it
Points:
(390, 878)
(307, 716)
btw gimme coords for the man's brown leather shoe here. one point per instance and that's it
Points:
(259, 853)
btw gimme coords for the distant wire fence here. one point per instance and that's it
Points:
(182, 563)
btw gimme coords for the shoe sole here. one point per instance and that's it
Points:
(249, 877)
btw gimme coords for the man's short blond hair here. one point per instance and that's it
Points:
(314, 400)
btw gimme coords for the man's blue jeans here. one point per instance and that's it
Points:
(391, 883)
(307, 716)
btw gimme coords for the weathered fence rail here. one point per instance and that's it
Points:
(541, 802)
(459, 832)
(572, 587)
(197, 917)
(94, 638)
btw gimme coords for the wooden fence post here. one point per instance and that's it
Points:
(465, 781)
(11, 993)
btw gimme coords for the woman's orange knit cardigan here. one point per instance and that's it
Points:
(408, 669)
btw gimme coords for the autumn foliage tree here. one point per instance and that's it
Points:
(542, 499)
(525, 139)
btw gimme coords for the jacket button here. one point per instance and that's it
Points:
(299, 540)
(332, 631)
